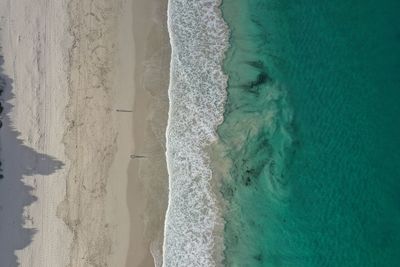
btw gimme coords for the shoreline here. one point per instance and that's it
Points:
(148, 176)
(197, 88)
(128, 214)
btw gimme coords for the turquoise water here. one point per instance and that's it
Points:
(312, 133)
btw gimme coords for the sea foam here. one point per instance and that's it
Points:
(197, 91)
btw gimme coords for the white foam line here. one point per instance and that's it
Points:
(197, 91)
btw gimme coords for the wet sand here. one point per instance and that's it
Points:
(148, 177)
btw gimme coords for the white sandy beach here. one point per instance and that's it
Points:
(31, 147)
(71, 194)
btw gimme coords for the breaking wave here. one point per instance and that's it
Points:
(197, 92)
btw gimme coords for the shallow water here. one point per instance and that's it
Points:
(312, 133)
(196, 94)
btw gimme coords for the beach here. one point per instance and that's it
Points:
(148, 182)
(159, 133)
(86, 88)
(32, 154)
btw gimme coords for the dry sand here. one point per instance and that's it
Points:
(72, 196)
(32, 153)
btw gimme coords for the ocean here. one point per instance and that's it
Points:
(310, 141)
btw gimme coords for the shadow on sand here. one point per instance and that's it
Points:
(18, 160)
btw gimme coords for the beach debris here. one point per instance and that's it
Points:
(133, 156)
(123, 110)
